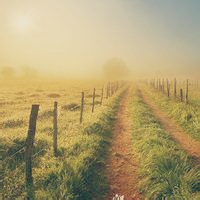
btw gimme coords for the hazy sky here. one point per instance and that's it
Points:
(78, 36)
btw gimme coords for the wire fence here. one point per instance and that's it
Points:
(183, 91)
(88, 101)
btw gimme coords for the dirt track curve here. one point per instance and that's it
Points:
(187, 142)
(122, 163)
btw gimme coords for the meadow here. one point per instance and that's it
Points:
(166, 170)
(74, 173)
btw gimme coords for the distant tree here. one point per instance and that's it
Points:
(115, 68)
(8, 72)
(28, 72)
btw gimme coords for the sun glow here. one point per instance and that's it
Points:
(22, 23)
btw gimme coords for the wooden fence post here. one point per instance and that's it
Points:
(181, 94)
(29, 151)
(55, 129)
(101, 96)
(82, 105)
(187, 88)
(93, 100)
(168, 88)
(107, 90)
(175, 87)
(159, 84)
(117, 87)
(114, 87)
(163, 85)
(111, 89)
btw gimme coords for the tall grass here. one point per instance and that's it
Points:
(167, 172)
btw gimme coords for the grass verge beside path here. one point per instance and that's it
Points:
(186, 115)
(166, 171)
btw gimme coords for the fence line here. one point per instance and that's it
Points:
(159, 85)
(112, 88)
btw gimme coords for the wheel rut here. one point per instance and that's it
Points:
(122, 163)
(187, 142)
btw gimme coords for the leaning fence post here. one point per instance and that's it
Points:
(93, 100)
(82, 105)
(55, 129)
(29, 151)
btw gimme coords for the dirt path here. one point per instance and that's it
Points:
(187, 142)
(122, 163)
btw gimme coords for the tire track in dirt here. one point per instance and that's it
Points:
(122, 163)
(187, 142)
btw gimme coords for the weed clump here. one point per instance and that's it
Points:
(12, 123)
(53, 95)
(34, 95)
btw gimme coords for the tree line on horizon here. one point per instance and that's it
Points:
(8, 72)
(113, 69)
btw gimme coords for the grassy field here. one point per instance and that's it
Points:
(166, 171)
(77, 171)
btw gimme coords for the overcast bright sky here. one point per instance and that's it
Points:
(78, 36)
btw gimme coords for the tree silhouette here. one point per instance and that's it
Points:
(28, 72)
(8, 72)
(115, 68)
